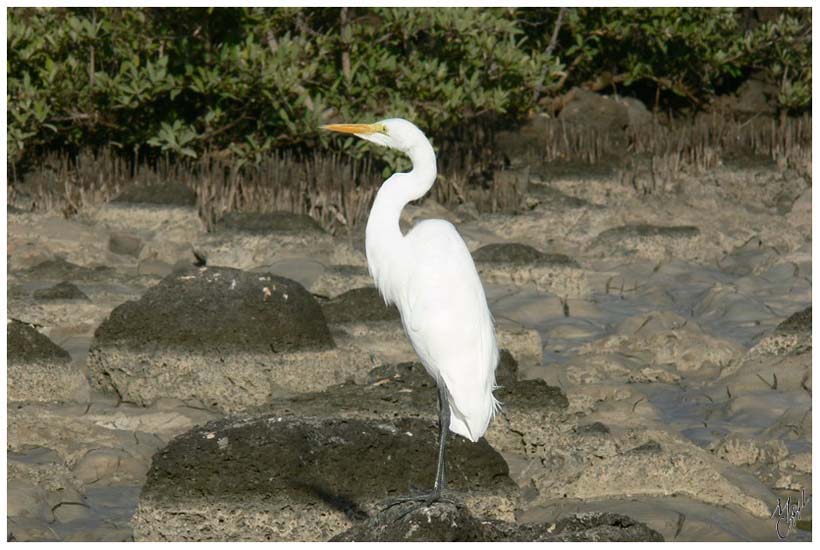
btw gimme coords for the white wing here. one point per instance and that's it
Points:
(449, 324)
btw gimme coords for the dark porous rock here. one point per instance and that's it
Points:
(25, 345)
(58, 269)
(267, 222)
(168, 194)
(407, 390)
(389, 392)
(452, 522)
(280, 478)
(586, 527)
(797, 323)
(407, 522)
(359, 305)
(595, 112)
(791, 337)
(516, 253)
(40, 370)
(410, 375)
(124, 244)
(528, 409)
(227, 338)
(60, 291)
(534, 393)
(506, 373)
(220, 308)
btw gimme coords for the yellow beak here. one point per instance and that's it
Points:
(355, 128)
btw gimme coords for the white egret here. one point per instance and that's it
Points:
(430, 276)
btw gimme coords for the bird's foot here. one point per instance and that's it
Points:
(420, 500)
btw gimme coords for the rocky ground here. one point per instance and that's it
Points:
(165, 383)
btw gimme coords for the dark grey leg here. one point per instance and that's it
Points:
(440, 484)
(443, 428)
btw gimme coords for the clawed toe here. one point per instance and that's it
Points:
(422, 500)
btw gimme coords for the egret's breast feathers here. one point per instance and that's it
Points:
(445, 312)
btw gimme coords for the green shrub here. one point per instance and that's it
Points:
(693, 53)
(244, 81)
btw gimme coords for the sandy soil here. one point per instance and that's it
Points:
(666, 333)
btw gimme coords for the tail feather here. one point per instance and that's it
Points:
(473, 425)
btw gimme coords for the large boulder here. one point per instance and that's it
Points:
(390, 420)
(284, 478)
(40, 370)
(226, 338)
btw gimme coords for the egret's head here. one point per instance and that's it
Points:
(395, 133)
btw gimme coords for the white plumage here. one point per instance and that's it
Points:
(430, 275)
(446, 317)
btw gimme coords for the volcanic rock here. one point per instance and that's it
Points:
(307, 478)
(38, 369)
(227, 338)
(447, 522)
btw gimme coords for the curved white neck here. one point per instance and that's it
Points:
(384, 241)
